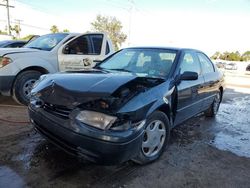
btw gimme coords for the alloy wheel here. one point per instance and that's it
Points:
(27, 87)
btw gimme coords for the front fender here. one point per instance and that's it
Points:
(141, 106)
(26, 62)
(164, 104)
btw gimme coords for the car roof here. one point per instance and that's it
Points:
(162, 47)
(76, 34)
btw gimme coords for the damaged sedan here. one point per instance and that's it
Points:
(125, 107)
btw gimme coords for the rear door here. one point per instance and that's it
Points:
(211, 78)
(81, 51)
(189, 92)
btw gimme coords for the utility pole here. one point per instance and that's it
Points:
(8, 14)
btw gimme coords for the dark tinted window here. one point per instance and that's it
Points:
(80, 46)
(16, 45)
(190, 63)
(206, 64)
(107, 48)
(97, 43)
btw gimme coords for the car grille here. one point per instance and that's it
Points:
(60, 111)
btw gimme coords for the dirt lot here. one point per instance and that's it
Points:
(204, 152)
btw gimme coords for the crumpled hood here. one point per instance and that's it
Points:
(7, 51)
(72, 89)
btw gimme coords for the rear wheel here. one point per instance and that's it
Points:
(213, 109)
(155, 138)
(23, 85)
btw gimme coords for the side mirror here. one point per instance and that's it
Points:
(66, 49)
(187, 75)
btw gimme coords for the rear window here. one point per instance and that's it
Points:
(206, 65)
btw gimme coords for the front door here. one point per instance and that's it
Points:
(80, 52)
(189, 92)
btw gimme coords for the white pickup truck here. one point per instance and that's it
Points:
(20, 68)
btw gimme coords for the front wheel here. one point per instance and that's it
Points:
(155, 138)
(23, 85)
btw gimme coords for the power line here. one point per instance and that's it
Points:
(37, 8)
(28, 25)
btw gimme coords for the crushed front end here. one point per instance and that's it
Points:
(86, 122)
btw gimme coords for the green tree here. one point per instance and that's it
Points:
(65, 31)
(17, 30)
(216, 55)
(54, 29)
(112, 27)
(224, 55)
(3, 32)
(234, 56)
(246, 56)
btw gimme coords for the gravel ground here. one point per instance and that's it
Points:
(204, 152)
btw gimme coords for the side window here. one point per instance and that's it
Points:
(206, 64)
(96, 41)
(190, 63)
(107, 48)
(80, 46)
(15, 45)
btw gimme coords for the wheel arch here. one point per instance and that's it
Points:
(164, 108)
(31, 68)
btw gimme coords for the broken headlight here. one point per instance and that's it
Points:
(4, 61)
(96, 119)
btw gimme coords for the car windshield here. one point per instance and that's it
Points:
(46, 42)
(144, 62)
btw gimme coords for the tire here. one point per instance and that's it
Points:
(151, 147)
(23, 85)
(213, 109)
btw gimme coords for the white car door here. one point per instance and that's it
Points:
(82, 51)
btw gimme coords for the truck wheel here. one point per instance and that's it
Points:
(23, 85)
(156, 137)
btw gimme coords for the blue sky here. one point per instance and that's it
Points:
(208, 25)
(223, 6)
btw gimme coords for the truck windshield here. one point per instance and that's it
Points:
(46, 42)
(144, 62)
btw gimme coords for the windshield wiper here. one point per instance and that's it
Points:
(36, 48)
(156, 77)
(123, 70)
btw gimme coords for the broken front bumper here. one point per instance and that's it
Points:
(89, 143)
